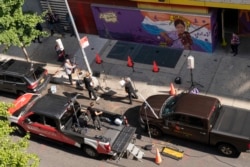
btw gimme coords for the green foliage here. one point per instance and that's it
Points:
(18, 28)
(12, 149)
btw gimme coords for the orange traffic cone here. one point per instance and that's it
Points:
(130, 62)
(158, 159)
(98, 59)
(172, 91)
(155, 67)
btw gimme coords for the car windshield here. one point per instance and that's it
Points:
(34, 75)
(215, 113)
(168, 106)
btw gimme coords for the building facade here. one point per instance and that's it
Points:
(182, 24)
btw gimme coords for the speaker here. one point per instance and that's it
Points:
(190, 62)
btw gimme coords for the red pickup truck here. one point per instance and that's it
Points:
(199, 118)
(58, 118)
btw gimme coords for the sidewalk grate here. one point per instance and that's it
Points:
(145, 54)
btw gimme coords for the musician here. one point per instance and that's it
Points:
(68, 69)
(179, 38)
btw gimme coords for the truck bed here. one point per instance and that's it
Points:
(119, 136)
(234, 122)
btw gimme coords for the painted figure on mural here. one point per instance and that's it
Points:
(179, 38)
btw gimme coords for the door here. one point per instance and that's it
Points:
(46, 127)
(188, 127)
(13, 84)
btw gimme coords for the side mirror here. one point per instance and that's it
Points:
(27, 121)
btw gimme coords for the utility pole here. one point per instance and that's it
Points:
(78, 37)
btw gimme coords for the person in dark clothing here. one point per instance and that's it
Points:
(235, 41)
(89, 86)
(130, 90)
(61, 55)
(53, 21)
(95, 116)
(40, 28)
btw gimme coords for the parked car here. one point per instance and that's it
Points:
(198, 118)
(21, 77)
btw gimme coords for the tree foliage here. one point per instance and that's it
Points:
(12, 150)
(16, 27)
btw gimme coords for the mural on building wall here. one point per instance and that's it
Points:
(176, 30)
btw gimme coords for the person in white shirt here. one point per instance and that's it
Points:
(68, 69)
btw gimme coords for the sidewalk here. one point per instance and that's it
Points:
(218, 74)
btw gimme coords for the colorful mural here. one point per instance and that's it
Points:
(168, 29)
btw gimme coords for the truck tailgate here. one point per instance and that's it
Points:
(233, 121)
(120, 139)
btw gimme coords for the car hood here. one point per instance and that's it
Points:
(155, 102)
(20, 103)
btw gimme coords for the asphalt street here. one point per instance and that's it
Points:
(195, 154)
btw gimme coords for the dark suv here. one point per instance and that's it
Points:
(21, 77)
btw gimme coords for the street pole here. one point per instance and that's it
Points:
(78, 37)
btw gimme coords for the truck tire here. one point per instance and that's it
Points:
(228, 150)
(19, 130)
(90, 152)
(155, 132)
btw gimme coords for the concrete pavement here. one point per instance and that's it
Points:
(218, 74)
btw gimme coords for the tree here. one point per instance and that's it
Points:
(16, 27)
(13, 151)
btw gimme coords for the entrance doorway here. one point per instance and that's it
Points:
(231, 20)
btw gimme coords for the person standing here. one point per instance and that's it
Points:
(60, 53)
(130, 90)
(68, 69)
(89, 85)
(95, 116)
(53, 21)
(40, 28)
(235, 41)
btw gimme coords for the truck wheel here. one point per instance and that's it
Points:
(19, 130)
(155, 132)
(90, 152)
(228, 150)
